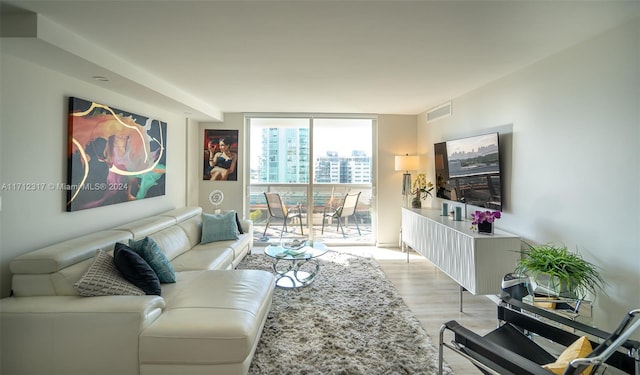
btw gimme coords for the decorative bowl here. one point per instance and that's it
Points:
(293, 244)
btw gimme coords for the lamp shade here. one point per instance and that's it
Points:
(406, 163)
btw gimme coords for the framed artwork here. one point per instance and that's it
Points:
(114, 156)
(220, 160)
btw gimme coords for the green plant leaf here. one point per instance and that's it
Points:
(565, 268)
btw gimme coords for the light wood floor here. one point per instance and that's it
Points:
(433, 297)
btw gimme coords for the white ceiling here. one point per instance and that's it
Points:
(397, 57)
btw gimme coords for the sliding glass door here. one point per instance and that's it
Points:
(312, 164)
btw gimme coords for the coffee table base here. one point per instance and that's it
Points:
(292, 276)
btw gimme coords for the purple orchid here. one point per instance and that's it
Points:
(482, 216)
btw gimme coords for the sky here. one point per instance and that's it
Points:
(341, 135)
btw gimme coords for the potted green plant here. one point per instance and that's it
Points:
(555, 271)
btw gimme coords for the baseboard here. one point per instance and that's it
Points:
(390, 245)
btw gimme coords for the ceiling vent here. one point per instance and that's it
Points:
(439, 112)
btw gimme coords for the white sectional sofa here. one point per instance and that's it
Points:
(208, 322)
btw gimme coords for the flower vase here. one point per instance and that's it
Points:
(485, 228)
(415, 202)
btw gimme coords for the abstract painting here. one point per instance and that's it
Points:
(114, 156)
(220, 161)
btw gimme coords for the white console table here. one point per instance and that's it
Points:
(477, 262)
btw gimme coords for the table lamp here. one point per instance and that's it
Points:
(406, 163)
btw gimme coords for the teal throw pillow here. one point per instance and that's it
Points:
(219, 227)
(149, 250)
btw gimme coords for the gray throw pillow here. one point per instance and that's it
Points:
(102, 278)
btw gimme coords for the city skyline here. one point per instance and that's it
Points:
(340, 135)
(282, 156)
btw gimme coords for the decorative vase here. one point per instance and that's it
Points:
(416, 202)
(485, 228)
(546, 285)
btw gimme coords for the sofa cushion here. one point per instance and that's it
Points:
(213, 317)
(240, 246)
(182, 278)
(64, 254)
(205, 257)
(184, 213)
(103, 279)
(193, 229)
(149, 250)
(173, 241)
(219, 227)
(136, 270)
(141, 228)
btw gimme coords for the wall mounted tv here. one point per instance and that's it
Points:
(468, 171)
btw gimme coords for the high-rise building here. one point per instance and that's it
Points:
(285, 155)
(285, 159)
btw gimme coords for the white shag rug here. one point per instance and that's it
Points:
(350, 320)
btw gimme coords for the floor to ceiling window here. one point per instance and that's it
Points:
(313, 164)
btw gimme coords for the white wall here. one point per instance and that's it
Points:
(33, 115)
(574, 165)
(395, 136)
(194, 163)
(232, 190)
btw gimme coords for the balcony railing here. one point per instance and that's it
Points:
(324, 196)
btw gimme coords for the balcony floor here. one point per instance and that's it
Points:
(331, 236)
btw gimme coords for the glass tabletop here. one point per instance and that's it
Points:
(307, 250)
(574, 309)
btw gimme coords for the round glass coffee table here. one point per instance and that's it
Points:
(295, 264)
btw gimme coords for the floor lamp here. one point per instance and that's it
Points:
(406, 163)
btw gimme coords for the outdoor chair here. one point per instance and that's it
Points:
(335, 199)
(521, 344)
(278, 210)
(346, 209)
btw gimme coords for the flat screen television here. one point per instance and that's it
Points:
(468, 171)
